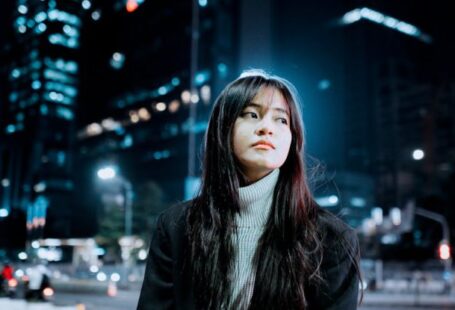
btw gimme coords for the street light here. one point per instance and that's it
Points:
(109, 174)
(444, 245)
(418, 154)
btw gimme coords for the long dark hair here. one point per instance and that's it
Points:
(289, 251)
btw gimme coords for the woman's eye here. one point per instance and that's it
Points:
(250, 114)
(283, 120)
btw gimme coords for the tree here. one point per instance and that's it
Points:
(148, 202)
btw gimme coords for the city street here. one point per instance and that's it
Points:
(128, 300)
(125, 299)
(402, 308)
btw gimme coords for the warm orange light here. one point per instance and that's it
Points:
(48, 292)
(444, 251)
(12, 283)
(112, 290)
(131, 6)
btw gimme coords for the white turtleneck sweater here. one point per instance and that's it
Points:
(256, 202)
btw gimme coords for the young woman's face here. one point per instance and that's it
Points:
(262, 134)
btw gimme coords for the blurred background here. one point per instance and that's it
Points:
(104, 104)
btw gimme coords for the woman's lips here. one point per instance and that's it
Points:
(263, 145)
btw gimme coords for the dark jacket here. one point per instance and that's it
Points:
(167, 282)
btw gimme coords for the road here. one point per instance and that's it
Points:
(128, 300)
(124, 300)
(403, 308)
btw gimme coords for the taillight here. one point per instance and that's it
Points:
(48, 292)
(12, 283)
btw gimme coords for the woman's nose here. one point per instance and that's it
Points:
(264, 128)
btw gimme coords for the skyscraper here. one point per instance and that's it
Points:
(38, 132)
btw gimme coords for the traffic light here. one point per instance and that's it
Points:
(444, 250)
(131, 5)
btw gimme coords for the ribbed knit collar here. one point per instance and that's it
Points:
(256, 201)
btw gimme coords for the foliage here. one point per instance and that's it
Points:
(148, 202)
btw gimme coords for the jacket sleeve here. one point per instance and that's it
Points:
(158, 288)
(340, 288)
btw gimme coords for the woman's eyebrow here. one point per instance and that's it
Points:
(258, 106)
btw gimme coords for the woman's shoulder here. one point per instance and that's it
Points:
(331, 225)
(175, 215)
(338, 238)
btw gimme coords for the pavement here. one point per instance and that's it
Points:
(17, 304)
(128, 300)
(428, 301)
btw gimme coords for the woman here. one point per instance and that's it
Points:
(253, 238)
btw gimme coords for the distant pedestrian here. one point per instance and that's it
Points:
(39, 279)
(7, 272)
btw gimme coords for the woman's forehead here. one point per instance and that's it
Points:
(269, 97)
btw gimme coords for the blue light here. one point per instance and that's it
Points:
(161, 154)
(351, 17)
(63, 88)
(324, 84)
(10, 128)
(175, 81)
(372, 15)
(327, 201)
(57, 76)
(34, 53)
(70, 31)
(127, 142)
(447, 275)
(162, 90)
(390, 22)
(41, 203)
(408, 29)
(30, 23)
(55, 39)
(61, 158)
(222, 69)
(44, 109)
(358, 202)
(107, 173)
(4, 212)
(40, 28)
(203, 3)
(40, 17)
(22, 29)
(387, 21)
(22, 9)
(16, 73)
(72, 43)
(202, 77)
(59, 39)
(62, 16)
(13, 97)
(71, 66)
(117, 60)
(36, 64)
(65, 113)
(86, 4)
(21, 21)
(120, 130)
